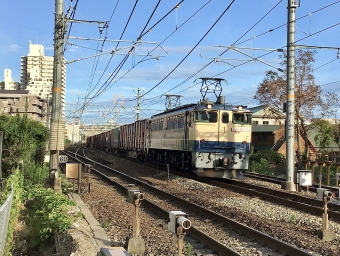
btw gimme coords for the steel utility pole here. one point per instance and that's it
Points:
(290, 104)
(138, 105)
(57, 129)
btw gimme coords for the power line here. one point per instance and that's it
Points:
(105, 88)
(198, 71)
(326, 63)
(191, 49)
(177, 28)
(101, 49)
(71, 16)
(271, 30)
(330, 83)
(322, 30)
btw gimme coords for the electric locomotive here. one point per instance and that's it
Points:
(212, 139)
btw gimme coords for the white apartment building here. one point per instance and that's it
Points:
(8, 83)
(37, 74)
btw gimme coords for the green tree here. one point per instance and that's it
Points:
(267, 162)
(24, 141)
(324, 137)
(310, 102)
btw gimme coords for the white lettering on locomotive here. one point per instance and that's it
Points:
(240, 129)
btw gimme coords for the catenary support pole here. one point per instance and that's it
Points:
(290, 113)
(57, 129)
(138, 105)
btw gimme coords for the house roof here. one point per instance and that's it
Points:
(257, 108)
(311, 136)
(263, 110)
(265, 128)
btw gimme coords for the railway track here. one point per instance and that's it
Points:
(296, 201)
(277, 180)
(262, 238)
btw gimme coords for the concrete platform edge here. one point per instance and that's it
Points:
(98, 232)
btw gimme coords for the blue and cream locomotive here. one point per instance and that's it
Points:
(212, 139)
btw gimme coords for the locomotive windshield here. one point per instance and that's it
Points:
(205, 116)
(240, 118)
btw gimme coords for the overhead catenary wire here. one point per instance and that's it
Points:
(326, 64)
(191, 49)
(121, 36)
(111, 78)
(317, 32)
(124, 59)
(95, 63)
(161, 44)
(198, 71)
(271, 30)
(320, 31)
(299, 18)
(71, 16)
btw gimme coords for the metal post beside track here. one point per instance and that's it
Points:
(79, 177)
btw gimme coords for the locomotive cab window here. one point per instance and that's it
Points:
(241, 118)
(205, 116)
(225, 118)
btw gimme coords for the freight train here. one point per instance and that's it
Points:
(211, 139)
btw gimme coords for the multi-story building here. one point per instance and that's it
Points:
(8, 83)
(37, 74)
(20, 102)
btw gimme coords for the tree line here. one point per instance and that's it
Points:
(312, 104)
(24, 141)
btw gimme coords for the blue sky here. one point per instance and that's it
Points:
(22, 21)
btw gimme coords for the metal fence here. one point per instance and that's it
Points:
(5, 211)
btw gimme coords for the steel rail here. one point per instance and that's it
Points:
(302, 203)
(278, 180)
(195, 233)
(260, 237)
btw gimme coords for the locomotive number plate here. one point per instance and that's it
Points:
(240, 129)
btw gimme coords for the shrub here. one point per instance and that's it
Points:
(46, 213)
(267, 162)
(16, 179)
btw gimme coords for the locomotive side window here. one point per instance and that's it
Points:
(238, 118)
(225, 118)
(248, 119)
(241, 118)
(205, 116)
(180, 123)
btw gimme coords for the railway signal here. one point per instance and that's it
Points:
(179, 224)
(325, 196)
(136, 244)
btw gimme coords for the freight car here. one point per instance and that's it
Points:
(211, 139)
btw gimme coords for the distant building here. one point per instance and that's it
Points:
(20, 102)
(37, 74)
(8, 83)
(268, 133)
(267, 115)
(73, 132)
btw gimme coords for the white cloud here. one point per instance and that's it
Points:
(13, 47)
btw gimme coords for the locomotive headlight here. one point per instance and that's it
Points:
(240, 108)
(209, 106)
